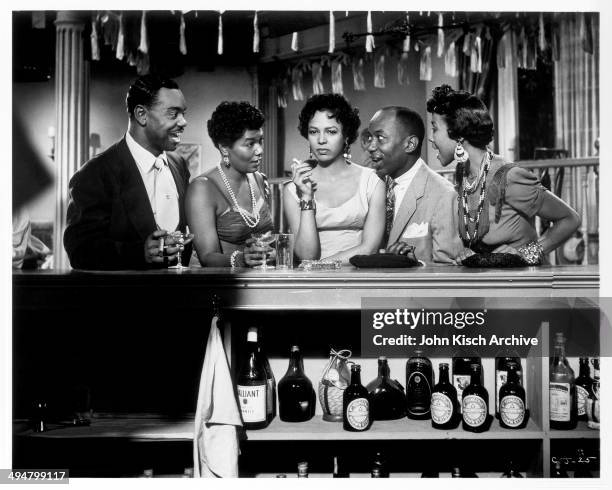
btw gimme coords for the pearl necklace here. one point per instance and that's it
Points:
(466, 211)
(250, 222)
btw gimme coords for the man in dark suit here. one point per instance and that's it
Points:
(124, 201)
(421, 204)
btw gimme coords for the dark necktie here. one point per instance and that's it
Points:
(389, 208)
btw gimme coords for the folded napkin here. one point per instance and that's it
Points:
(215, 444)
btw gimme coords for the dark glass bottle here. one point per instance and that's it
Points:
(511, 471)
(379, 466)
(593, 406)
(338, 470)
(584, 388)
(501, 373)
(355, 403)
(462, 374)
(252, 386)
(296, 396)
(562, 389)
(387, 399)
(558, 471)
(475, 403)
(512, 401)
(444, 405)
(271, 391)
(582, 465)
(419, 383)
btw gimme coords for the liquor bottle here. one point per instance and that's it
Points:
(419, 383)
(581, 468)
(558, 471)
(475, 403)
(462, 361)
(444, 405)
(338, 472)
(355, 403)
(593, 407)
(296, 396)
(512, 400)
(511, 471)
(379, 466)
(387, 399)
(302, 469)
(584, 387)
(252, 386)
(271, 390)
(501, 373)
(562, 389)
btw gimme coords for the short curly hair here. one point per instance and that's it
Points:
(230, 120)
(338, 107)
(465, 114)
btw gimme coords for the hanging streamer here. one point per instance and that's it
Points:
(220, 40)
(144, 39)
(532, 53)
(450, 61)
(476, 55)
(95, 47)
(406, 44)
(182, 40)
(501, 52)
(440, 52)
(402, 70)
(317, 78)
(379, 71)
(541, 33)
(332, 32)
(294, 42)
(370, 44)
(336, 77)
(467, 44)
(523, 43)
(358, 78)
(425, 66)
(120, 53)
(296, 83)
(255, 34)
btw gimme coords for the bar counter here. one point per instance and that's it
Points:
(296, 289)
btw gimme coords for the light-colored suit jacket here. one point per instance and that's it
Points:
(427, 218)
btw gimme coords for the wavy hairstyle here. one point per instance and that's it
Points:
(338, 107)
(230, 120)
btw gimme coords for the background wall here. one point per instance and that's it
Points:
(35, 102)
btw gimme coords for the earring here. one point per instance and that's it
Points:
(310, 154)
(347, 153)
(461, 156)
(226, 161)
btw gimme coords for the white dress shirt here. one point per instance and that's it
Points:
(159, 183)
(403, 182)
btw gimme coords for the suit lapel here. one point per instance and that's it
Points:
(134, 194)
(408, 206)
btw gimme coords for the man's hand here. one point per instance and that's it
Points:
(159, 247)
(400, 248)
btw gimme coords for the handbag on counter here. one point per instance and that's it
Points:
(494, 260)
(384, 261)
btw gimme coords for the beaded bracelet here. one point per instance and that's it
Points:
(532, 252)
(309, 205)
(233, 258)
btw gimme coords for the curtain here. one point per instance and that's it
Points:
(577, 85)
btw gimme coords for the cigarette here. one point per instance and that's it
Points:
(161, 246)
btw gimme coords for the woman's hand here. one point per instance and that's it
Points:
(301, 175)
(255, 255)
(467, 252)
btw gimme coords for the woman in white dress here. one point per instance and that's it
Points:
(335, 208)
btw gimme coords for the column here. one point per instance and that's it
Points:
(72, 112)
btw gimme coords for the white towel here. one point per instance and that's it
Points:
(215, 444)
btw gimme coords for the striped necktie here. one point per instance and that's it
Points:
(389, 208)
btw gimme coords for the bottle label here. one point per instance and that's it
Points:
(441, 408)
(252, 402)
(512, 410)
(474, 410)
(461, 382)
(560, 402)
(583, 396)
(358, 413)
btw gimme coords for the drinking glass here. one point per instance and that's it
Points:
(263, 240)
(179, 238)
(284, 251)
